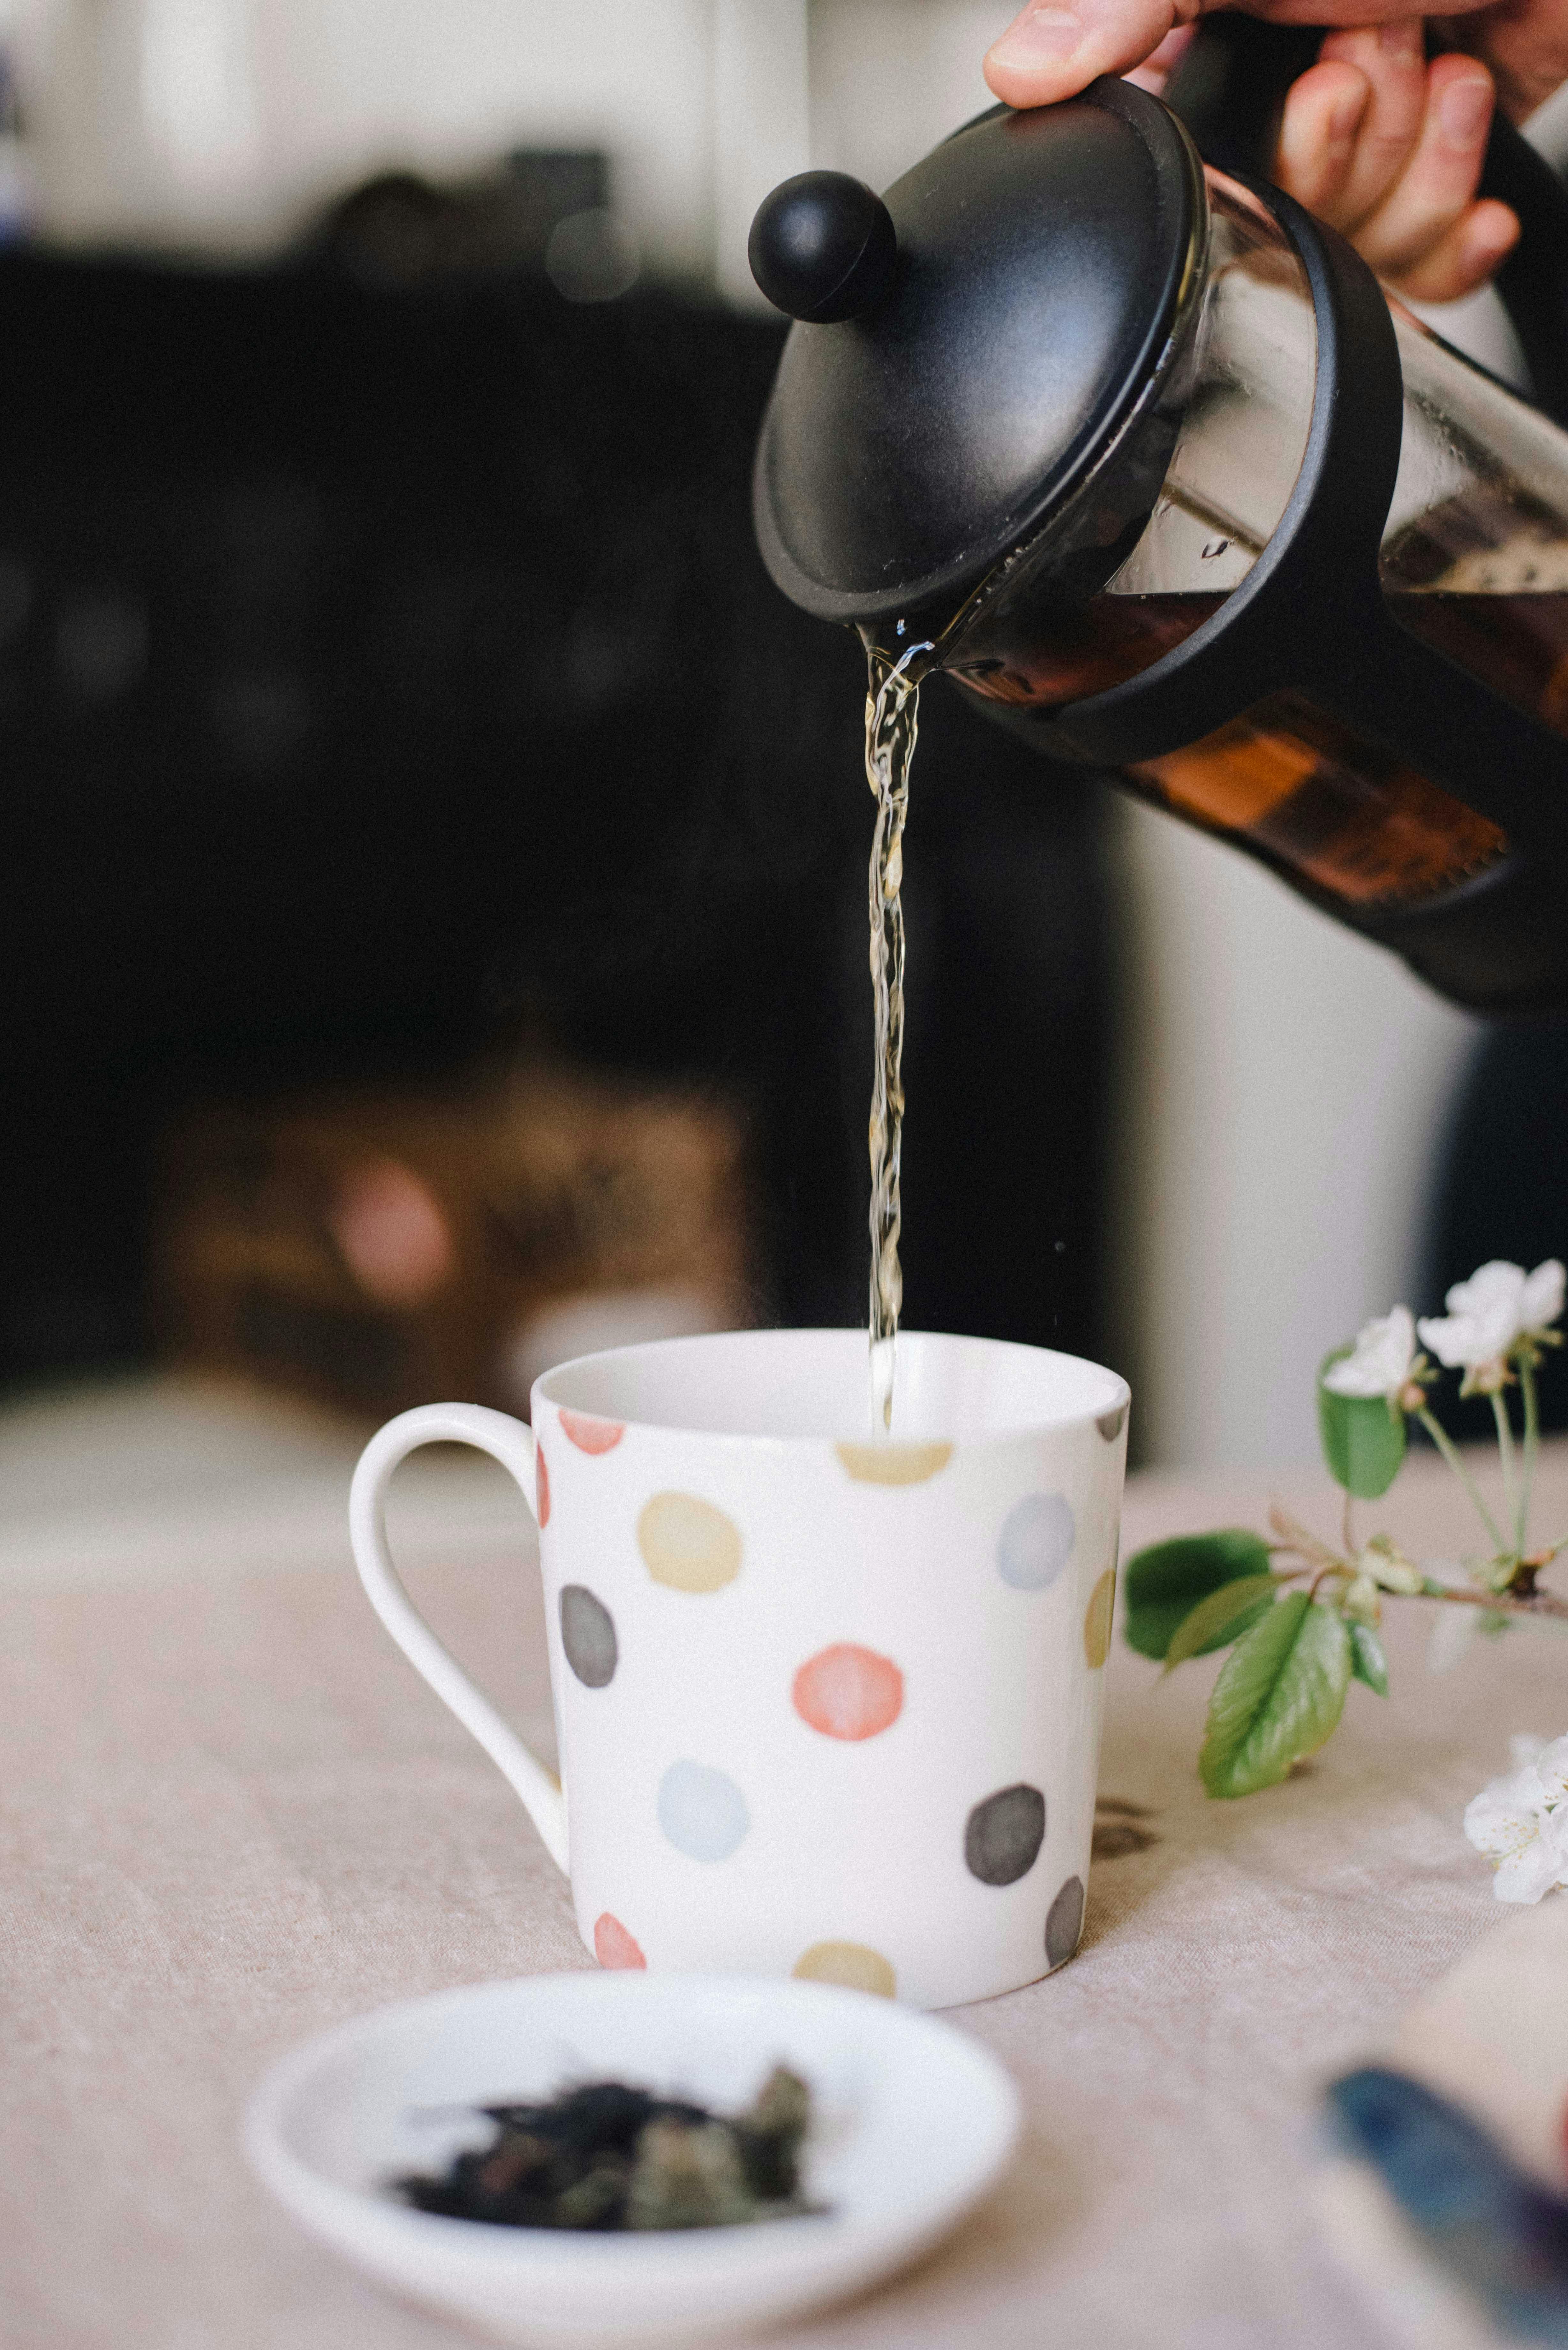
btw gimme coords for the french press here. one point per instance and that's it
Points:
(1143, 457)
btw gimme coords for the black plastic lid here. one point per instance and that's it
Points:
(1043, 259)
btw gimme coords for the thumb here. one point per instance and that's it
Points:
(1056, 48)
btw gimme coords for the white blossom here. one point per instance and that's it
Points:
(1381, 1362)
(1521, 1821)
(1500, 1310)
(1550, 1767)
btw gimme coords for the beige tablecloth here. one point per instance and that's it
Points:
(230, 1815)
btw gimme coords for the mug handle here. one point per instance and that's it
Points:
(508, 1441)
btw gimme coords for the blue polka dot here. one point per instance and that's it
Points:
(701, 1812)
(1036, 1541)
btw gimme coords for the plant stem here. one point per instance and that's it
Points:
(1539, 1603)
(1532, 1445)
(1346, 1534)
(1302, 1539)
(1450, 1453)
(1505, 1451)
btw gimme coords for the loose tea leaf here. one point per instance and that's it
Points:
(607, 2156)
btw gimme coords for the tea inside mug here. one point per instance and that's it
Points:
(812, 1384)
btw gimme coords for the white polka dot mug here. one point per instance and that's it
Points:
(828, 1705)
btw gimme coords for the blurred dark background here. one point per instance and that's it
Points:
(389, 687)
(432, 884)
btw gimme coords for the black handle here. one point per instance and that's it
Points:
(1229, 89)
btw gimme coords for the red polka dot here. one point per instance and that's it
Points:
(542, 1482)
(849, 1692)
(612, 1946)
(591, 1435)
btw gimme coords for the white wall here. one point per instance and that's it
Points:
(1282, 1087)
(889, 77)
(217, 122)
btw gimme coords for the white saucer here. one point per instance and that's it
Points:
(913, 2122)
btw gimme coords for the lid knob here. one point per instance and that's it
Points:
(822, 247)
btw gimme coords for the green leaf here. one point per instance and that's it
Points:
(1367, 1661)
(1279, 1694)
(1222, 1617)
(1363, 1439)
(1163, 1583)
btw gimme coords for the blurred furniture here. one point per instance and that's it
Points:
(386, 675)
(234, 1817)
(380, 1249)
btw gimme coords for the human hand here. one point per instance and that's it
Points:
(1054, 49)
(1385, 148)
(1388, 149)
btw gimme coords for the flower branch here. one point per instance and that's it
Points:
(1294, 1652)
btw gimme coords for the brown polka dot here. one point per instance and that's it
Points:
(1097, 1620)
(1004, 1834)
(1065, 1923)
(849, 1692)
(589, 1433)
(893, 1464)
(612, 1946)
(541, 1483)
(588, 1636)
(687, 1543)
(849, 1964)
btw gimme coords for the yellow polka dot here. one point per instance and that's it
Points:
(893, 1464)
(1097, 1620)
(849, 1964)
(687, 1544)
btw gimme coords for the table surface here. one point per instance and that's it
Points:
(232, 1815)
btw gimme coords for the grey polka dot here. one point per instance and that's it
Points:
(1109, 1423)
(1002, 1839)
(1036, 1541)
(587, 1636)
(701, 1811)
(1065, 1923)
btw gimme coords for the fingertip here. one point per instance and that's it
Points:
(1324, 111)
(1460, 101)
(1465, 259)
(1394, 48)
(1031, 64)
(1334, 95)
(1056, 47)
(1491, 231)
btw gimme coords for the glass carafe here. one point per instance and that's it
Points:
(1474, 559)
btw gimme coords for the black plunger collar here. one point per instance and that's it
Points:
(1042, 262)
